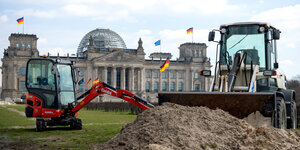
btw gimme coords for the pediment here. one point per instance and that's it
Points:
(118, 56)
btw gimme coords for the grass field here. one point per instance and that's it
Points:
(17, 131)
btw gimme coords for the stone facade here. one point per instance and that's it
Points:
(122, 68)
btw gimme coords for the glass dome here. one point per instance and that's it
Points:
(103, 38)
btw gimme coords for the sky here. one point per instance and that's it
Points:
(61, 24)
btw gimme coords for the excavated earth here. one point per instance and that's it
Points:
(176, 127)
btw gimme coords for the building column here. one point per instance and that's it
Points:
(113, 76)
(139, 88)
(95, 73)
(123, 73)
(143, 79)
(104, 74)
(186, 80)
(15, 76)
(192, 80)
(131, 82)
(129, 79)
(89, 74)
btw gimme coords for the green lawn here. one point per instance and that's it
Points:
(98, 127)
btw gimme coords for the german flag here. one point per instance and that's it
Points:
(96, 81)
(165, 65)
(190, 30)
(20, 20)
(90, 80)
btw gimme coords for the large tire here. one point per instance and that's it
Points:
(280, 121)
(292, 123)
(41, 125)
(76, 124)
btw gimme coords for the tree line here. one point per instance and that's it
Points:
(294, 84)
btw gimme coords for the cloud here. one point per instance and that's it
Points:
(96, 12)
(116, 10)
(34, 12)
(145, 32)
(286, 62)
(3, 19)
(285, 17)
(80, 10)
(42, 41)
(287, 20)
(200, 6)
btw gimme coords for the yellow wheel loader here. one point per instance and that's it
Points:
(246, 76)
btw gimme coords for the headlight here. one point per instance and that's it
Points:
(223, 30)
(261, 29)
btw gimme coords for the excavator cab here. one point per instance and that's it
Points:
(51, 93)
(246, 77)
(51, 82)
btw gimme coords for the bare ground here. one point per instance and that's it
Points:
(176, 127)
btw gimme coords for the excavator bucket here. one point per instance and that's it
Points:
(237, 104)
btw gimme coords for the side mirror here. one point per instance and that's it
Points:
(211, 36)
(276, 34)
(205, 73)
(276, 65)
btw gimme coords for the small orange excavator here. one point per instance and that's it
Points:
(52, 94)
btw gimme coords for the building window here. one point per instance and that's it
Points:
(118, 79)
(196, 75)
(17, 44)
(180, 85)
(155, 74)
(180, 75)
(164, 86)
(81, 87)
(164, 75)
(172, 86)
(23, 45)
(197, 87)
(147, 74)
(29, 45)
(127, 79)
(147, 86)
(155, 86)
(200, 52)
(172, 75)
(108, 77)
(22, 88)
(22, 71)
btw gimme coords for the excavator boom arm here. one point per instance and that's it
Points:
(103, 88)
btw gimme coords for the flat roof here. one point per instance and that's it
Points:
(247, 23)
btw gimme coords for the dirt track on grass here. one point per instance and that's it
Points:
(176, 127)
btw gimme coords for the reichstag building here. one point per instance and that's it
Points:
(103, 54)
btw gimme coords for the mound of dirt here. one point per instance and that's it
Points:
(176, 127)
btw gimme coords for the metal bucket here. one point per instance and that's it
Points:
(238, 104)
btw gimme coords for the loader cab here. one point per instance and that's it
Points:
(256, 40)
(52, 81)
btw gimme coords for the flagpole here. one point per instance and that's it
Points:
(160, 47)
(193, 37)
